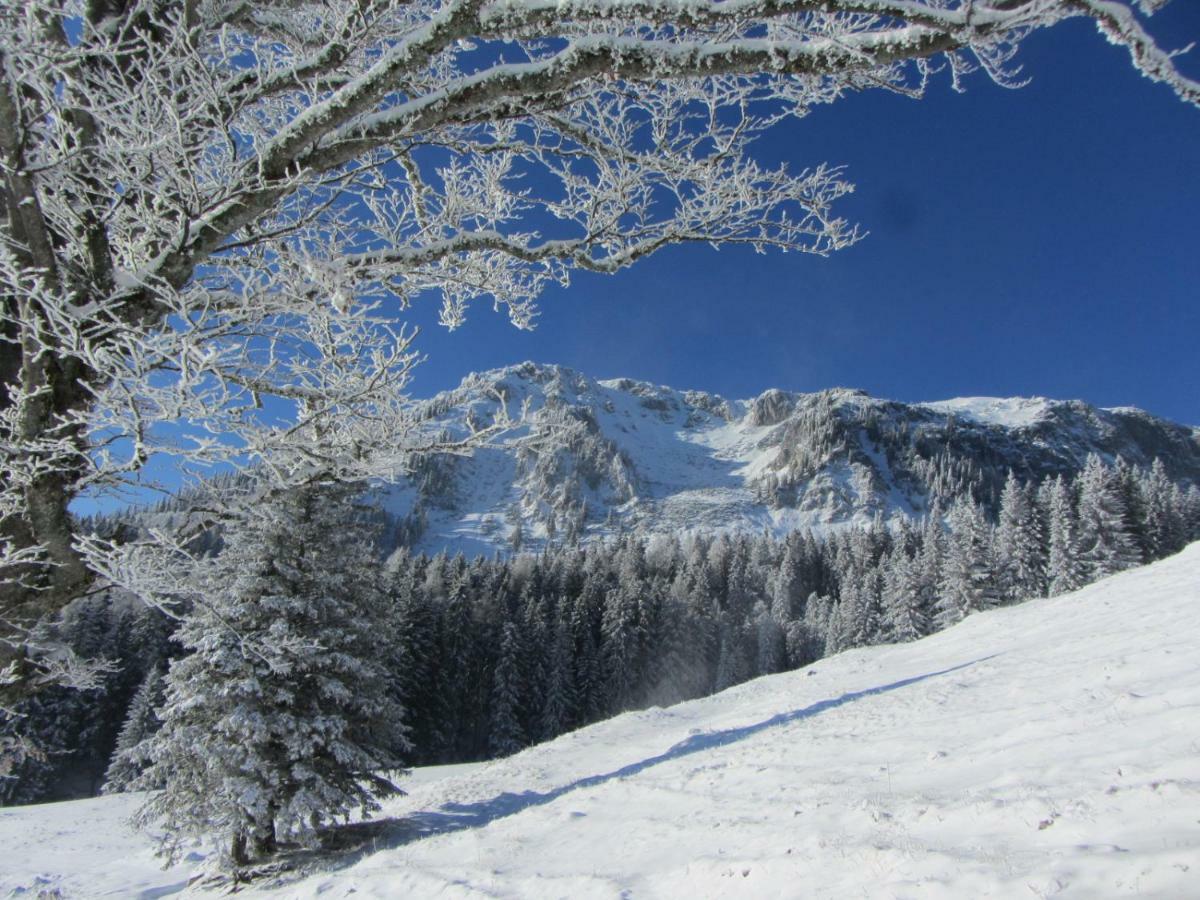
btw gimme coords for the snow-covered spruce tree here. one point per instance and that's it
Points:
(1064, 568)
(1019, 557)
(905, 610)
(1105, 542)
(1163, 509)
(141, 723)
(968, 583)
(559, 709)
(507, 736)
(621, 634)
(770, 641)
(243, 195)
(733, 666)
(279, 718)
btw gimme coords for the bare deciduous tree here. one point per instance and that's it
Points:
(214, 209)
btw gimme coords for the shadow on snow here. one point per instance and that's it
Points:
(360, 839)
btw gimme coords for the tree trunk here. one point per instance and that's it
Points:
(237, 849)
(51, 391)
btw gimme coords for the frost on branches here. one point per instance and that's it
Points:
(213, 211)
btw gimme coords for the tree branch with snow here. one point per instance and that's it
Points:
(214, 213)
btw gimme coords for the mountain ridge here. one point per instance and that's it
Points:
(591, 457)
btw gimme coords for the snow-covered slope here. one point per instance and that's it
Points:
(596, 456)
(1048, 749)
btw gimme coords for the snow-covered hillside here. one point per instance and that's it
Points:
(593, 457)
(1048, 749)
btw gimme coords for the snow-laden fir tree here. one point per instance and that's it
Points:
(968, 582)
(507, 736)
(1019, 560)
(685, 650)
(141, 722)
(905, 612)
(1064, 568)
(456, 663)
(1105, 541)
(856, 618)
(279, 718)
(560, 703)
(1163, 510)
(535, 645)
(651, 637)
(770, 641)
(620, 632)
(733, 665)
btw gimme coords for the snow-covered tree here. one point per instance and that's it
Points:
(1018, 544)
(968, 583)
(856, 619)
(1163, 510)
(770, 641)
(212, 211)
(559, 706)
(905, 609)
(1064, 569)
(622, 641)
(1105, 541)
(733, 667)
(506, 736)
(141, 722)
(279, 718)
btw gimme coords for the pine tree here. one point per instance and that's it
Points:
(1018, 544)
(586, 614)
(536, 639)
(650, 638)
(1128, 485)
(1164, 526)
(1106, 545)
(1190, 513)
(412, 658)
(279, 719)
(770, 639)
(456, 666)
(856, 619)
(905, 615)
(141, 723)
(619, 649)
(559, 707)
(811, 641)
(732, 665)
(968, 575)
(1064, 569)
(507, 736)
(686, 664)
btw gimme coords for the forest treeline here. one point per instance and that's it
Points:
(479, 658)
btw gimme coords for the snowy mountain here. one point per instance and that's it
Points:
(1046, 749)
(592, 457)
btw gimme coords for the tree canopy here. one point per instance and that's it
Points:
(214, 212)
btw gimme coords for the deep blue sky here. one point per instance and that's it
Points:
(1036, 241)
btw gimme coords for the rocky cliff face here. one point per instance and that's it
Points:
(595, 457)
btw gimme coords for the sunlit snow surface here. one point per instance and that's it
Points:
(1010, 412)
(1049, 749)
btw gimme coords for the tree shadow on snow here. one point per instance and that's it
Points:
(361, 839)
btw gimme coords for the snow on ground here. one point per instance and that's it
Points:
(1045, 750)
